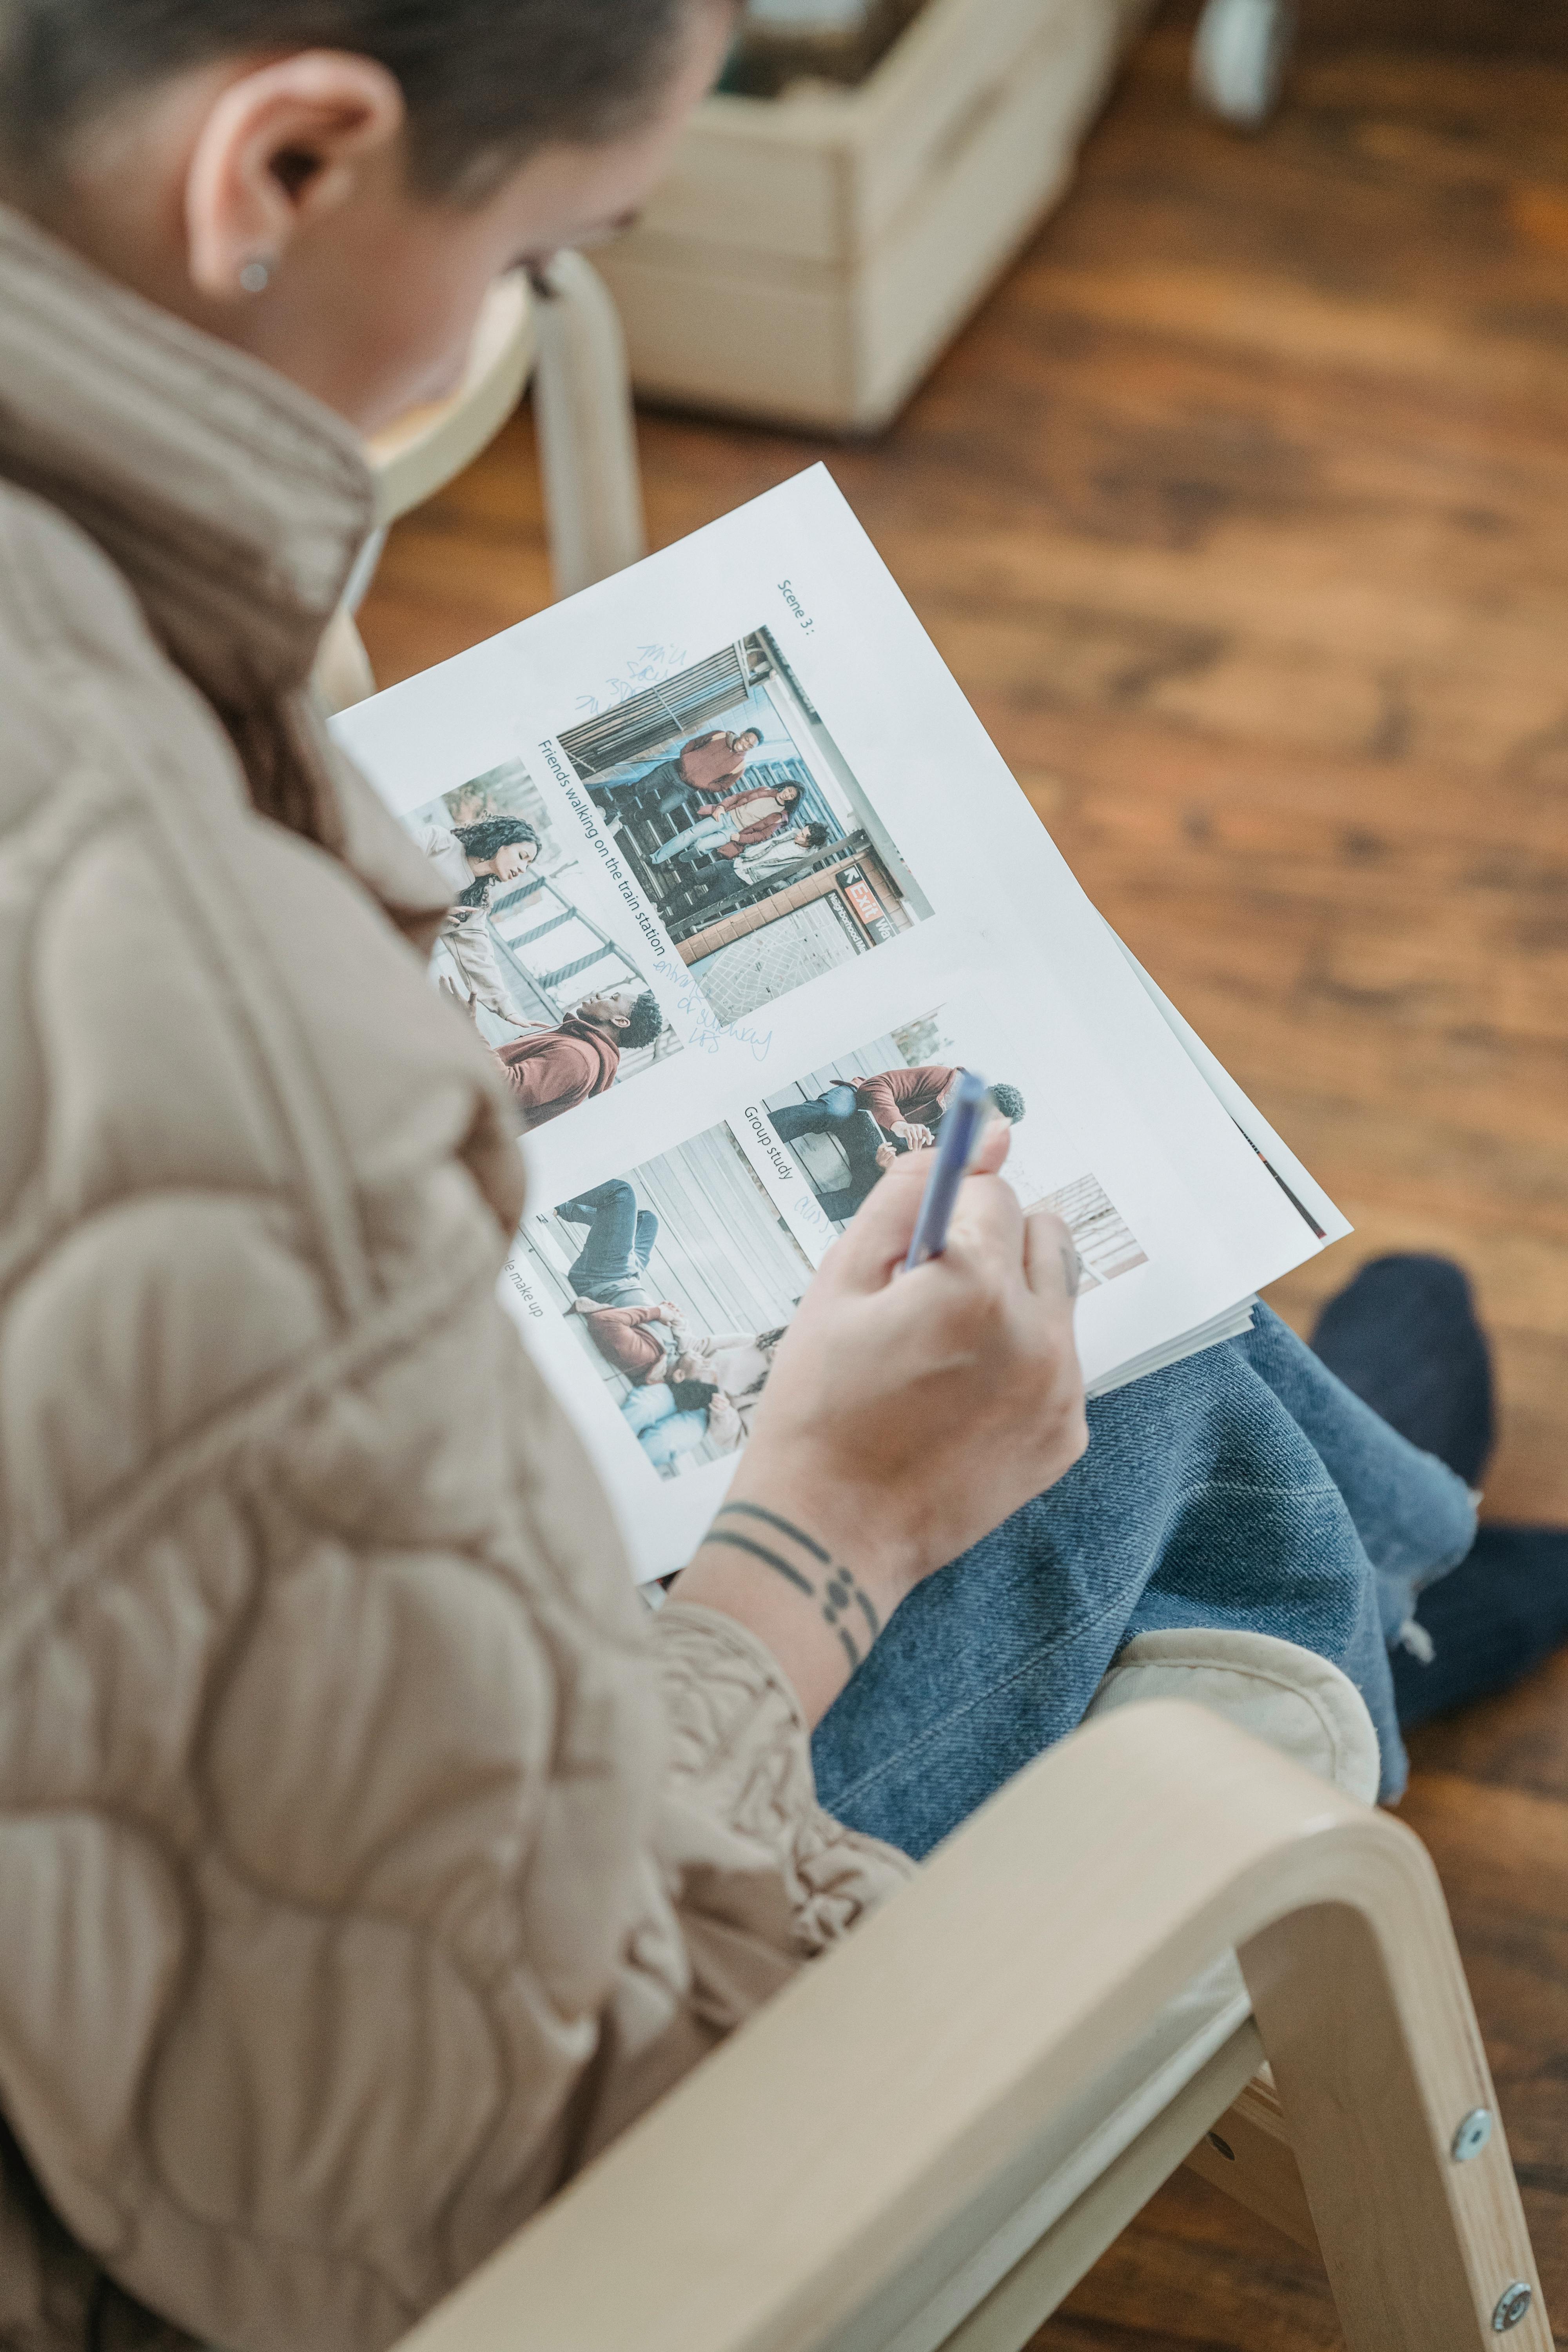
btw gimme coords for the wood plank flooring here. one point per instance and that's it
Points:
(1241, 514)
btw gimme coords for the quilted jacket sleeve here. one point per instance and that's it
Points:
(369, 1855)
(370, 1858)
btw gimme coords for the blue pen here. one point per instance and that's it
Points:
(961, 1123)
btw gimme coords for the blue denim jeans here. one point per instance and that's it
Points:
(611, 1263)
(708, 832)
(661, 787)
(1246, 1487)
(828, 1113)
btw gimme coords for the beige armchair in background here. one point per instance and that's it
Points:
(931, 2136)
(563, 332)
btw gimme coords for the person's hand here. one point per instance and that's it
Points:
(918, 1137)
(459, 996)
(906, 1415)
(665, 1311)
(886, 1156)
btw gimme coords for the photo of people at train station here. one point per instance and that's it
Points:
(744, 826)
(680, 1277)
(560, 1003)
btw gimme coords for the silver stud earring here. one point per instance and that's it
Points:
(256, 276)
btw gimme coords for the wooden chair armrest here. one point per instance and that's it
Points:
(762, 2202)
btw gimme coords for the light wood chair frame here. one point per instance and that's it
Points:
(855, 2170)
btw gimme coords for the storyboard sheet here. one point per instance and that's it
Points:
(740, 885)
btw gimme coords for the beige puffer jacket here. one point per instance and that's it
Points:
(367, 1854)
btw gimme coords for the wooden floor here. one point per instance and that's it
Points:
(1241, 514)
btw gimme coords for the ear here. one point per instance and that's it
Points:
(281, 146)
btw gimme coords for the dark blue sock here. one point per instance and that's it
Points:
(1403, 1336)
(1491, 1620)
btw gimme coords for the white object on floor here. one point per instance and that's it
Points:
(1240, 51)
(805, 259)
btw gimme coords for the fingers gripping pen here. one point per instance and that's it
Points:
(962, 1123)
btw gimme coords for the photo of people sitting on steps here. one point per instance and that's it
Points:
(856, 1118)
(738, 817)
(681, 1278)
(555, 995)
(846, 1124)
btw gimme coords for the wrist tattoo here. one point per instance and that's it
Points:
(845, 1606)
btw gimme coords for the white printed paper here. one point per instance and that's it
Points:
(766, 886)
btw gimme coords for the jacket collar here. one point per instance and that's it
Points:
(232, 502)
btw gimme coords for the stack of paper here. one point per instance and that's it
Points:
(743, 884)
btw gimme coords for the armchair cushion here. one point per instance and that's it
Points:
(1296, 1703)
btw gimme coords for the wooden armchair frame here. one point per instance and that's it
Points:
(863, 2168)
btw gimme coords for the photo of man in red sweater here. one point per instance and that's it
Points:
(553, 1070)
(702, 772)
(872, 1119)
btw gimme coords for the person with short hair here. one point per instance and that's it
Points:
(705, 769)
(471, 859)
(551, 1071)
(708, 765)
(738, 1362)
(875, 1117)
(909, 1105)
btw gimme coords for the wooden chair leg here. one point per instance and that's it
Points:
(587, 432)
(1249, 2156)
(1381, 2075)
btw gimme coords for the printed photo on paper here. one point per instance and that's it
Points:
(764, 856)
(563, 1007)
(847, 1123)
(679, 1279)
